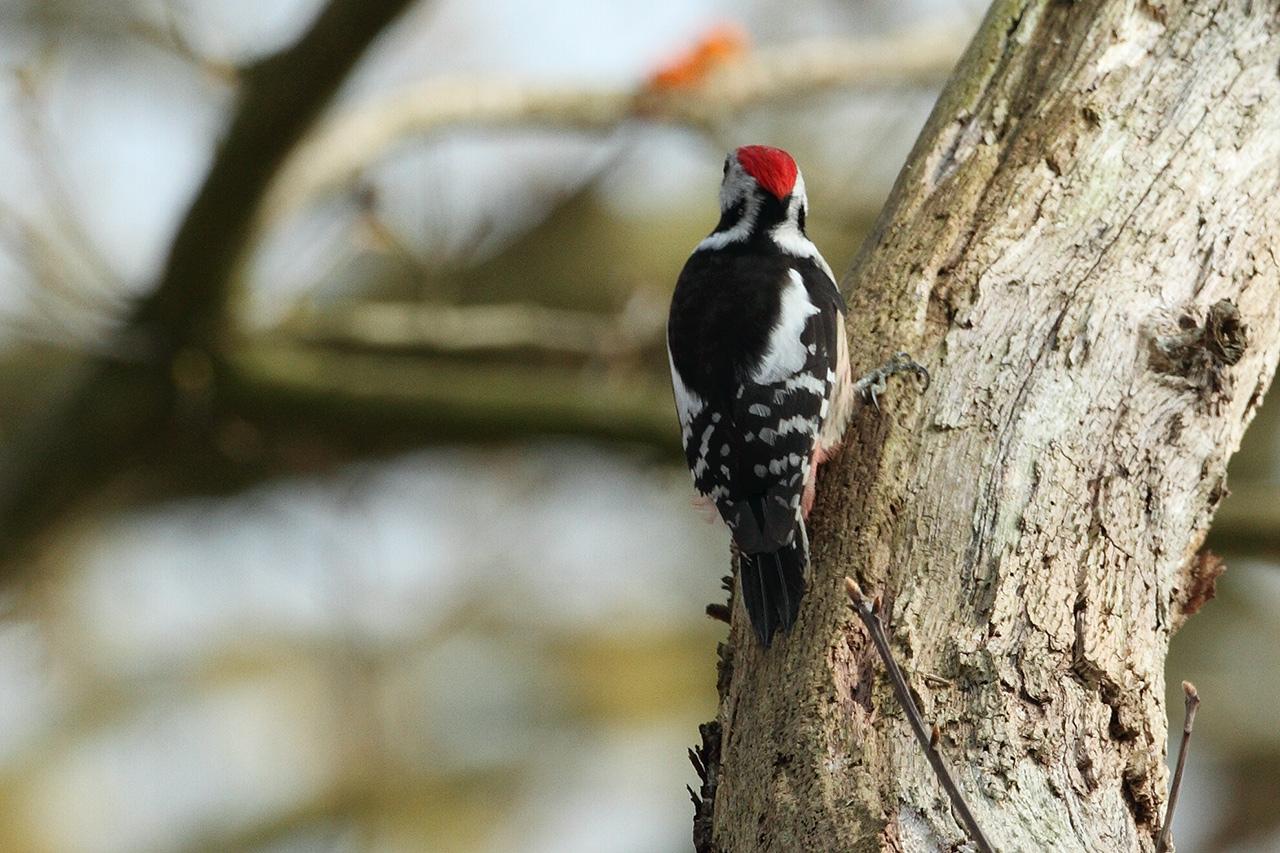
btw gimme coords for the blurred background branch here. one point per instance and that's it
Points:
(348, 143)
(388, 401)
(512, 326)
(125, 399)
(178, 355)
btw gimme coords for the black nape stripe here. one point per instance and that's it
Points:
(770, 212)
(731, 217)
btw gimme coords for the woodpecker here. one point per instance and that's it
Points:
(760, 373)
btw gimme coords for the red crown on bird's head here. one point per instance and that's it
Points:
(773, 168)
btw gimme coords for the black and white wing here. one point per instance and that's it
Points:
(753, 371)
(778, 411)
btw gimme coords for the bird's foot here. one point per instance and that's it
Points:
(871, 386)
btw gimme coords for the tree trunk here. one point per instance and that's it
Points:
(1082, 249)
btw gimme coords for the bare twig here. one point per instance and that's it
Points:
(346, 144)
(170, 35)
(70, 314)
(927, 737)
(1192, 699)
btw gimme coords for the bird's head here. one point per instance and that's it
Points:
(762, 189)
(753, 168)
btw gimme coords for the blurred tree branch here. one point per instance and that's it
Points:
(350, 141)
(349, 396)
(1248, 522)
(176, 371)
(508, 327)
(119, 402)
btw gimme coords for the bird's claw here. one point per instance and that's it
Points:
(876, 382)
(902, 362)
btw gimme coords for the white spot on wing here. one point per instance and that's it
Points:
(796, 423)
(700, 466)
(806, 382)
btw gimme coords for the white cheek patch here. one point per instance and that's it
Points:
(785, 354)
(788, 237)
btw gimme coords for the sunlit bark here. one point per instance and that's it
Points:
(1082, 248)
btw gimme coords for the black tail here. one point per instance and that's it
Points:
(773, 584)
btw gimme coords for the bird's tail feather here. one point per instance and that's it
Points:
(773, 584)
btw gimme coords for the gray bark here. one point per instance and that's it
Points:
(1082, 248)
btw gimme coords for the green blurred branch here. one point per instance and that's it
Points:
(409, 326)
(121, 402)
(392, 401)
(1248, 522)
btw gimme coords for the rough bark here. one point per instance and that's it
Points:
(1082, 249)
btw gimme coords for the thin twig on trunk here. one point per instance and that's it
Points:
(1192, 703)
(928, 740)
